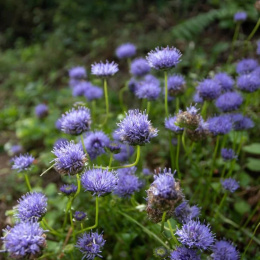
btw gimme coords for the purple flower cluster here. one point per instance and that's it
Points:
(220, 125)
(104, 69)
(226, 82)
(80, 89)
(230, 184)
(246, 66)
(229, 101)
(80, 215)
(170, 124)
(22, 162)
(241, 122)
(77, 73)
(32, 207)
(240, 16)
(248, 82)
(176, 85)
(16, 149)
(228, 154)
(99, 182)
(224, 250)
(68, 189)
(183, 253)
(209, 89)
(184, 212)
(41, 110)
(139, 67)
(93, 93)
(126, 50)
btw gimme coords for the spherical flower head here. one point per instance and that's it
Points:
(139, 67)
(224, 250)
(240, 16)
(68, 189)
(16, 149)
(76, 121)
(25, 240)
(41, 110)
(70, 158)
(149, 90)
(81, 88)
(32, 207)
(77, 73)
(176, 85)
(127, 183)
(164, 58)
(93, 93)
(126, 50)
(193, 234)
(104, 69)
(220, 125)
(184, 212)
(114, 147)
(228, 154)
(226, 82)
(91, 244)
(197, 98)
(99, 182)
(248, 82)
(209, 89)
(136, 129)
(22, 162)
(147, 171)
(80, 215)
(170, 124)
(246, 66)
(125, 153)
(229, 101)
(183, 253)
(160, 252)
(241, 122)
(230, 184)
(95, 143)
(58, 124)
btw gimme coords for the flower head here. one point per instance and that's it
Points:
(248, 82)
(241, 122)
(132, 84)
(229, 101)
(99, 182)
(77, 73)
(139, 67)
(90, 244)
(184, 212)
(60, 142)
(246, 66)
(136, 129)
(226, 82)
(170, 124)
(183, 253)
(80, 89)
(16, 149)
(220, 125)
(160, 252)
(114, 147)
(127, 183)
(193, 234)
(209, 89)
(240, 16)
(164, 58)
(228, 154)
(70, 158)
(25, 240)
(41, 110)
(80, 215)
(224, 250)
(230, 184)
(76, 121)
(200, 133)
(126, 151)
(22, 162)
(197, 98)
(147, 171)
(68, 189)
(126, 50)
(32, 207)
(176, 85)
(93, 93)
(95, 143)
(104, 69)
(148, 89)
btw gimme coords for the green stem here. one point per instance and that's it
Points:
(177, 99)
(235, 36)
(177, 156)
(172, 233)
(220, 205)
(183, 141)
(163, 221)
(166, 94)
(252, 214)
(110, 160)
(204, 109)
(223, 171)
(231, 168)
(72, 226)
(253, 31)
(148, 107)
(106, 100)
(83, 144)
(66, 212)
(27, 182)
(93, 108)
(47, 170)
(51, 230)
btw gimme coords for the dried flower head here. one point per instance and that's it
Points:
(200, 133)
(104, 70)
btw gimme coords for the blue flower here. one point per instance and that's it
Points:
(183, 253)
(164, 58)
(126, 50)
(197, 98)
(114, 147)
(41, 110)
(184, 212)
(70, 158)
(104, 69)
(147, 171)
(99, 182)
(126, 151)
(80, 215)
(248, 82)
(136, 129)
(25, 240)
(228, 154)
(220, 125)
(246, 66)
(240, 16)
(81, 88)
(127, 183)
(76, 121)
(139, 67)
(176, 85)
(93, 93)
(77, 72)
(230, 184)
(95, 143)
(60, 142)
(241, 122)
(224, 250)
(193, 234)
(209, 89)
(22, 162)
(32, 207)
(90, 244)
(226, 82)
(170, 124)
(132, 84)
(58, 124)
(16, 149)
(229, 101)
(68, 189)
(148, 89)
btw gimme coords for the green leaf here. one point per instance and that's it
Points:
(242, 207)
(253, 164)
(252, 148)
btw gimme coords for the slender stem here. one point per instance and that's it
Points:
(223, 171)
(183, 141)
(121, 97)
(204, 109)
(51, 230)
(252, 214)
(72, 226)
(214, 158)
(163, 221)
(221, 204)
(110, 160)
(47, 170)
(27, 182)
(177, 156)
(66, 212)
(83, 144)
(106, 100)
(148, 107)
(81, 225)
(172, 233)
(177, 99)
(232, 164)
(166, 94)
(253, 31)
(235, 36)
(78, 190)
